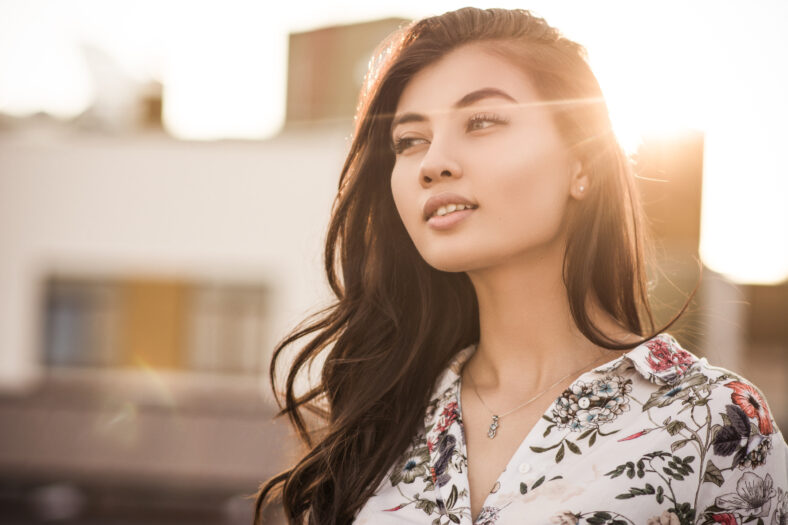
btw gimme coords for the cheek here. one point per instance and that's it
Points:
(527, 187)
(529, 168)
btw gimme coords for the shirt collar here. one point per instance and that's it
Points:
(660, 360)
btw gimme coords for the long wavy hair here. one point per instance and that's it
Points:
(396, 321)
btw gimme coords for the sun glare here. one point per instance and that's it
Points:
(734, 91)
(227, 87)
(744, 220)
(663, 68)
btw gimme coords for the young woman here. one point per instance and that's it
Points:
(487, 359)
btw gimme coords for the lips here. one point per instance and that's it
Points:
(443, 199)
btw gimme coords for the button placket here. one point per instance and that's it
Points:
(526, 467)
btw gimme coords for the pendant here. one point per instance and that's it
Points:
(493, 427)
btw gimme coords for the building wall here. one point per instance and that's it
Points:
(146, 205)
(150, 205)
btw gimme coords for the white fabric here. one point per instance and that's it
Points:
(654, 436)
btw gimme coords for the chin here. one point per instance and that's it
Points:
(450, 267)
(448, 262)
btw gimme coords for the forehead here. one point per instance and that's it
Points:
(438, 86)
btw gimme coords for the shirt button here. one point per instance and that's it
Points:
(584, 402)
(524, 468)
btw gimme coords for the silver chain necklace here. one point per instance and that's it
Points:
(495, 417)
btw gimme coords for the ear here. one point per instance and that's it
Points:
(579, 179)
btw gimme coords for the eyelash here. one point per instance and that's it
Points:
(402, 143)
(487, 117)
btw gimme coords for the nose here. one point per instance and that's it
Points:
(438, 164)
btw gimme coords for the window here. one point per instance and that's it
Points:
(154, 323)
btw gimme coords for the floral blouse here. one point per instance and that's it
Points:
(656, 436)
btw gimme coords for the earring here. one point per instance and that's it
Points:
(581, 188)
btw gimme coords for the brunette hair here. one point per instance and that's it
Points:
(397, 321)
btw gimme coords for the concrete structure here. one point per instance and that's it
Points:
(95, 198)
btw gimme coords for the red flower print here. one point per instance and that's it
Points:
(753, 404)
(447, 417)
(725, 519)
(662, 356)
(636, 435)
(444, 420)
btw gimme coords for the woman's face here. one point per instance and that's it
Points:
(471, 124)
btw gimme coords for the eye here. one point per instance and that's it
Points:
(485, 120)
(400, 144)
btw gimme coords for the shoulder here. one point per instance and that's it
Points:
(676, 377)
(693, 383)
(684, 382)
(745, 470)
(717, 429)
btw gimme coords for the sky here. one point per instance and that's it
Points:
(719, 67)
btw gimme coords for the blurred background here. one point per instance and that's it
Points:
(166, 175)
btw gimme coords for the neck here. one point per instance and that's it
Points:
(528, 338)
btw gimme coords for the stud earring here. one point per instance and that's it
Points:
(581, 188)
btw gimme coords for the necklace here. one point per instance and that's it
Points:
(495, 417)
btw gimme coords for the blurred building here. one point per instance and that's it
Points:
(146, 280)
(739, 327)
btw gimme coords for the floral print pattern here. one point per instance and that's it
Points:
(655, 437)
(411, 466)
(590, 405)
(781, 512)
(753, 496)
(667, 360)
(750, 400)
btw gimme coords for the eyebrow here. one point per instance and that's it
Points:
(467, 100)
